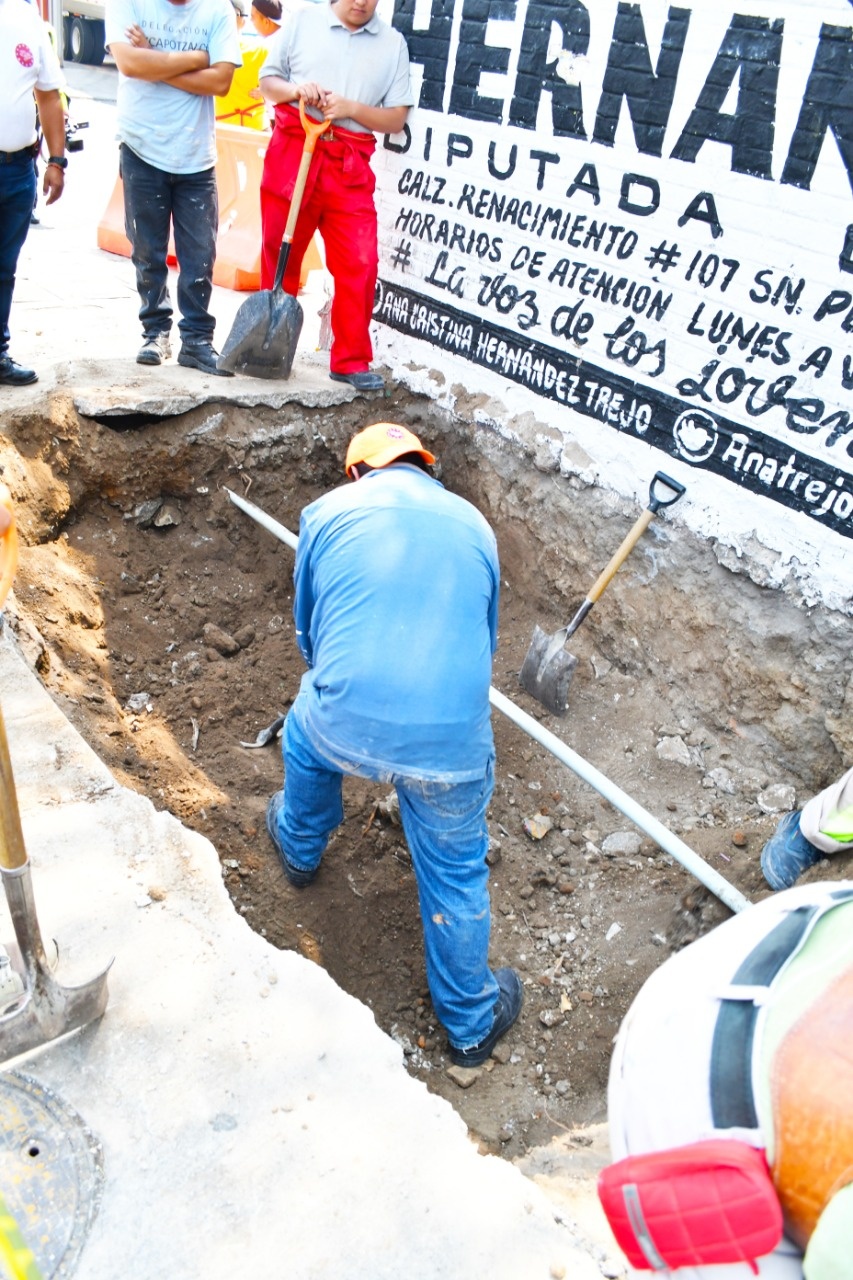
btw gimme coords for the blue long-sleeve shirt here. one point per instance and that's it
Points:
(396, 610)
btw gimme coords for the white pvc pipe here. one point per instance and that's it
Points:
(641, 818)
(691, 861)
(272, 526)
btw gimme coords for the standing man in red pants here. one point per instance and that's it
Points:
(349, 67)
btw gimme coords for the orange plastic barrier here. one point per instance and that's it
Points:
(238, 243)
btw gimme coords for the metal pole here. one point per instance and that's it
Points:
(691, 861)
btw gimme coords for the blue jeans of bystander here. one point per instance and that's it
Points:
(156, 202)
(445, 828)
(17, 194)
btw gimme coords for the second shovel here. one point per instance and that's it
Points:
(548, 667)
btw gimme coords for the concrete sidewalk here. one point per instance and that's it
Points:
(250, 1117)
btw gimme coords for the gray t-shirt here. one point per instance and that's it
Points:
(168, 127)
(370, 65)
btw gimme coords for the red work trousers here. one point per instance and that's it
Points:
(338, 201)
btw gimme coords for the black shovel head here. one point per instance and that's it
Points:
(547, 671)
(263, 337)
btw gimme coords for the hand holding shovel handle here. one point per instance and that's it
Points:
(46, 1009)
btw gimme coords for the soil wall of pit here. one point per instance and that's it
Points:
(683, 614)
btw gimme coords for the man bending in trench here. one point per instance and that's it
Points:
(396, 606)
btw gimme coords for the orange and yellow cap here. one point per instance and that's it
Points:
(382, 443)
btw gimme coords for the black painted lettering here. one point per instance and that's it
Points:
(536, 74)
(751, 50)
(459, 147)
(428, 46)
(586, 180)
(399, 147)
(703, 208)
(762, 293)
(819, 362)
(493, 168)
(544, 157)
(629, 205)
(827, 105)
(648, 93)
(474, 56)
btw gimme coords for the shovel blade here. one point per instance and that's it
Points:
(49, 1010)
(264, 336)
(547, 671)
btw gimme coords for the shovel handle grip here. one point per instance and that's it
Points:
(8, 543)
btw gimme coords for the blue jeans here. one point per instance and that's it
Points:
(445, 828)
(17, 196)
(187, 203)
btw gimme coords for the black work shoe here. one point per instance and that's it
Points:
(14, 375)
(155, 348)
(297, 876)
(202, 356)
(366, 381)
(507, 1010)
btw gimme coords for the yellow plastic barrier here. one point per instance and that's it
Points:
(238, 243)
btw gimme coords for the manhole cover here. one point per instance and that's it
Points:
(51, 1172)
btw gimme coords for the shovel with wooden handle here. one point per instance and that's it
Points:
(266, 328)
(548, 666)
(45, 1009)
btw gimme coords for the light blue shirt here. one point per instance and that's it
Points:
(396, 610)
(168, 127)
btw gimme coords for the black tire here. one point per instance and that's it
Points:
(66, 38)
(80, 43)
(99, 50)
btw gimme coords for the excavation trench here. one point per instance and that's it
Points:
(159, 617)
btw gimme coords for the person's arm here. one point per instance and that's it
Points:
(303, 594)
(276, 89)
(212, 81)
(377, 119)
(138, 61)
(52, 119)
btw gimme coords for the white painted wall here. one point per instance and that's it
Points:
(552, 315)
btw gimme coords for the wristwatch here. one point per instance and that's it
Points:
(61, 162)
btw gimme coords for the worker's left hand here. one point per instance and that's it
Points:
(54, 183)
(334, 107)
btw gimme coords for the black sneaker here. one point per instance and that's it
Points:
(14, 375)
(507, 1009)
(155, 348)
(366, 381)
(297, 876)
(202, 356)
